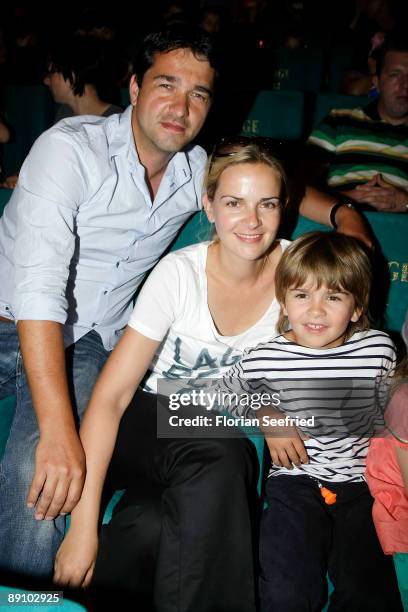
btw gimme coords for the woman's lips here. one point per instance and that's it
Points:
(249, 237)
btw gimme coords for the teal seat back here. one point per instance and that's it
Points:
(340, 60)
(124, 97)
(276, 114)
(298, 69)
(29, 110)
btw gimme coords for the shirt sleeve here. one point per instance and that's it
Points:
(51, 186)
(159, 300)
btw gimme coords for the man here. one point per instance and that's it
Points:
(97, 203)
(365, 151)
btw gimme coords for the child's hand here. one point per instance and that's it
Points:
(285, 443)
(75, 560)
(288, 450)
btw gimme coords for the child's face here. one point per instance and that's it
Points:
(319, 317)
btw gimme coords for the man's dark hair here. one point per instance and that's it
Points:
(395, 41)
(85, 60)
(180, 36)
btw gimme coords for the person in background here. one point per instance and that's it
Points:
(362, 153)
(373, 20)
(387, 476)
(83, 77)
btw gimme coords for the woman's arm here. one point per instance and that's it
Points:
(112, 394)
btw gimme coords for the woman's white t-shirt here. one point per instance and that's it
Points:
(172, 307)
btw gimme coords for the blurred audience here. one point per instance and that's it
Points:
(363, 153)
(372, 20)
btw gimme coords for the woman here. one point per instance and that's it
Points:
(199, 309)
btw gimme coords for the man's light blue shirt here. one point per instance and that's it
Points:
(81, 230)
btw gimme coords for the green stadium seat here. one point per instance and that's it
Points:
(29, 110)
(298, 69)
(340, 60)
(276, 114)
(124, 97)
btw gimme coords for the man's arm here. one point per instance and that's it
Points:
(317, 206)
(60, 462)
(44, 206)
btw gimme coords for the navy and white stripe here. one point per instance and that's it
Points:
(340, 387)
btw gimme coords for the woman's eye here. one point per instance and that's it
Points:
(232, 204)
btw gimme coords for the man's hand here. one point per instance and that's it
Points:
(59, 474)
(380, 194)
(75, 560)
(59, 463)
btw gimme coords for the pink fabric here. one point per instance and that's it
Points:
(390, 510)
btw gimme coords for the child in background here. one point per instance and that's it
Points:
(326, 357)
(387, 477)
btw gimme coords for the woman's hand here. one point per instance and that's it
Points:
(75, 560)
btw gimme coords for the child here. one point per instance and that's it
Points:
(387, 477)
(324, 365)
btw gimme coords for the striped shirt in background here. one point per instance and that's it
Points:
(357, 144)
(340, 387)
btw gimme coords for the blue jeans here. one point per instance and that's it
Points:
(28, 546)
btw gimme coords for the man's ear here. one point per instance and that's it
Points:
(208, 207)
(133, 90)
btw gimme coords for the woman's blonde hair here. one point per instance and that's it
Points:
(333, 260)
(243, 150)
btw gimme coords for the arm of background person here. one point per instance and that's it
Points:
(317, 206)
(112, 394)
(60, 461)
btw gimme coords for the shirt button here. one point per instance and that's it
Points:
(94, 324)
(117, 264)
(105, 292)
